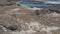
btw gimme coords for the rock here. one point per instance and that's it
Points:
(12, 28)
(42, 11)
(37, 13)
(46, 11)
(57, 11)
(7, 2)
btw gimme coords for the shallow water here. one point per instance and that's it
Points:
(51, 0)
(30, 4)
(41, 0)
(41, 6)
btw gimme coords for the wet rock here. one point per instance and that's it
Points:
(42, 11)
(57, 11)
(12, 28)
(8, 27)
(37, 13)
(46, 11)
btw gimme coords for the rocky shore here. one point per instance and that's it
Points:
(27, 20)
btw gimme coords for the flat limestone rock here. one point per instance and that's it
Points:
(21, 20)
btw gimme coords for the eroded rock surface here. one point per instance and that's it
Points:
(21, 20)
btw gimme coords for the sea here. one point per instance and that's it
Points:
(49, 6)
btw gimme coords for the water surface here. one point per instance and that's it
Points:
(30, 4)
